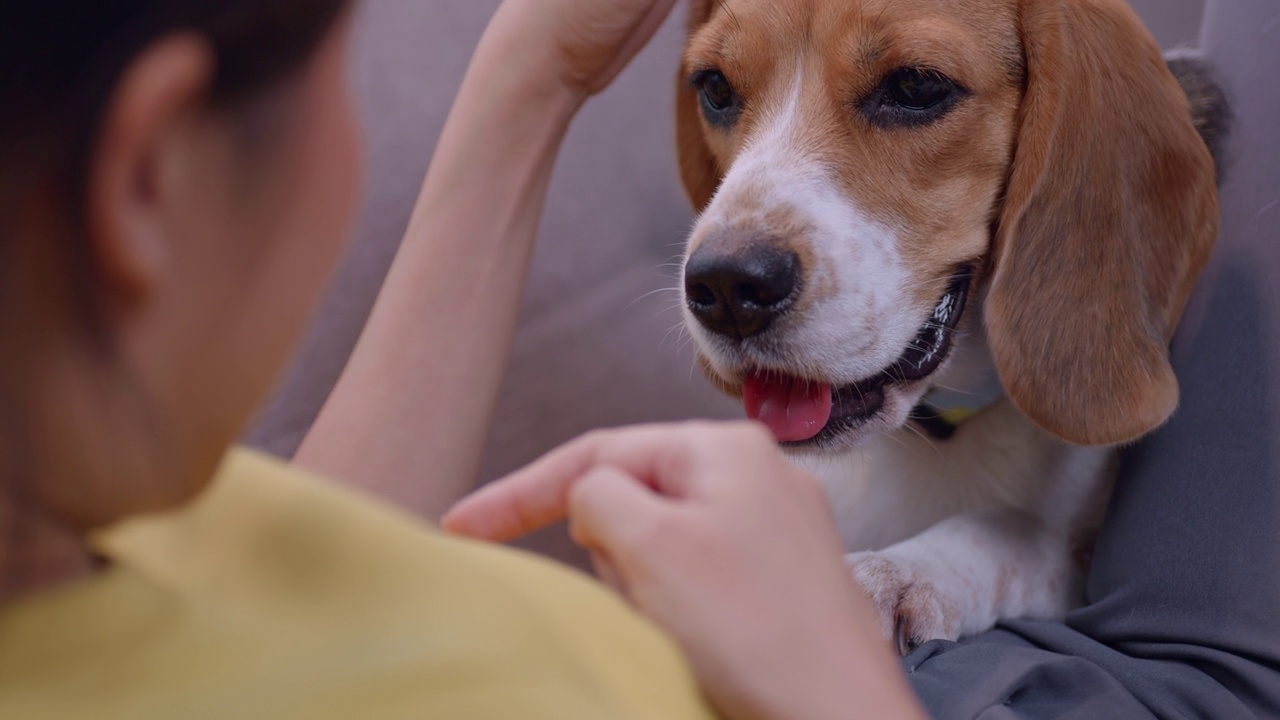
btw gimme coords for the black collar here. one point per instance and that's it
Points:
(934, 422)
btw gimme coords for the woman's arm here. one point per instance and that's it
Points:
(410, 414)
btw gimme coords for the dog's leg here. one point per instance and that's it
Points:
(967, 573)
(1024, 506)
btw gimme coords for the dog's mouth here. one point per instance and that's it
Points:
(805, 412)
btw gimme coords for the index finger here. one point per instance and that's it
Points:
(538, 495)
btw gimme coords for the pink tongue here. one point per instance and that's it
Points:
(794, 409)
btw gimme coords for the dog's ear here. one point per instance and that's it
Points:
(1110, 214)
(699, 171)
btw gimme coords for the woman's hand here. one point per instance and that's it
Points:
(711, 533)
(590, 41)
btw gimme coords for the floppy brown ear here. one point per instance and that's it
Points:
(1110, 214)
(699, 171)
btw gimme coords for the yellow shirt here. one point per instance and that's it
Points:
(277, 595)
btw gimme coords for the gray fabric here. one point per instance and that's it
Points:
(1174, 23)
(1183, 613)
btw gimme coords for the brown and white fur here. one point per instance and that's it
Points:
(1068, 175)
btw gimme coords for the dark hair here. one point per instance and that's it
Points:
(60, 64)
(60, 61)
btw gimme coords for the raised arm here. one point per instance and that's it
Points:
(410, 414)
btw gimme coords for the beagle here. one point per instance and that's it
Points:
(941, 250)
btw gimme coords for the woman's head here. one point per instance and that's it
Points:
(176, 181)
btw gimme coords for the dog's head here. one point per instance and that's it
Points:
(865, 170)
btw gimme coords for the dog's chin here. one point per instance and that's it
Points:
(880, 403)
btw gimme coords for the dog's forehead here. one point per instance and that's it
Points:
(802, 68)
(813, 14)
(968, 39)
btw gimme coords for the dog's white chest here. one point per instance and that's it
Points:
(898, 485)
(882, 493)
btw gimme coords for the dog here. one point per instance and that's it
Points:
(941, 249)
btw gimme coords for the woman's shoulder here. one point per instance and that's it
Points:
(284, 595)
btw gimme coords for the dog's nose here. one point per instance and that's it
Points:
(740, 294)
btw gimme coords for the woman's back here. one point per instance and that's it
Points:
(279, 595)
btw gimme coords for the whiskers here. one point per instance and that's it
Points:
(679, 298)
(927, 440)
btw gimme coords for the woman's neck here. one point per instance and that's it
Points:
(37, 553)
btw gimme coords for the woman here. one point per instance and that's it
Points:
(177, 178)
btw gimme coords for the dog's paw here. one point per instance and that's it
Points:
(912, 608)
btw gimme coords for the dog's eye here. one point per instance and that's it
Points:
(909, 97)
(720, 103)
(916, 90)
(716, 91)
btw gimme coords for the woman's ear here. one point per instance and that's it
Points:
(699, 171)
(1110, 215)
(139, 160)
